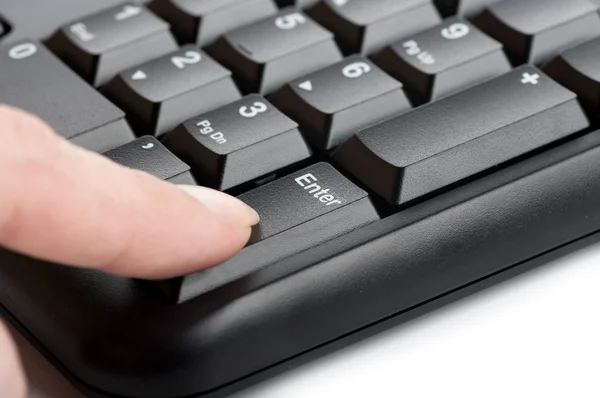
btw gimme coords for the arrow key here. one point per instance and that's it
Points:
(332, 104)
(164, 92)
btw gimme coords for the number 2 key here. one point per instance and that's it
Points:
(162, 93)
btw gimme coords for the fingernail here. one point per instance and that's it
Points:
(224, 205)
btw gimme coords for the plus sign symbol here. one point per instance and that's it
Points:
(530, 78)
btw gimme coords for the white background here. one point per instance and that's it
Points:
(535, 336)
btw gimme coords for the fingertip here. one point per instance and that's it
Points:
(224, 205)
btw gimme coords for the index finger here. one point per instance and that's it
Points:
(64, 204)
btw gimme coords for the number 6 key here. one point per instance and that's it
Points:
(162, 93)
(334, 103)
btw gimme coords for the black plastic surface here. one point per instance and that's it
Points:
(117, 337)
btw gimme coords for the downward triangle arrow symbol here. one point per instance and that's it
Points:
(139, 75)
(307, 85)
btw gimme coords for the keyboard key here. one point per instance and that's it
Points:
(299, 198)
(38, 19)
(238, 143)
(467, 8)
(443, 60)
(367, 26)
(33, 79)
(298, 3)
(149, 155)
(162, 93)
(101, 45)
(578, 69)
(455, 138)
(298, 212)
(335, 102)
(204, 21)
(534, 31)
(267, 54)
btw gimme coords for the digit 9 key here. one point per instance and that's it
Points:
(444, 60)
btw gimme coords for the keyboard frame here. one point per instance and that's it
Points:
(476, 235)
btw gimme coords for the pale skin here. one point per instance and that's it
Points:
(102, 216)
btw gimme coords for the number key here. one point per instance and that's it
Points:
(162, 93)
(100, 46)
(238, 143)
(332, 104)
(204, 21)
(267, 54)
(534, 31)
(367, 26)
(443, 60)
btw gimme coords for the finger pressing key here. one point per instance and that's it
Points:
(79, 208)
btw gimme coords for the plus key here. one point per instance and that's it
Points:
(530, 78)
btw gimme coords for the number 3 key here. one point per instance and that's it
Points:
(238, 143)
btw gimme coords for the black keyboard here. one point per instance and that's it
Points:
(400, 153)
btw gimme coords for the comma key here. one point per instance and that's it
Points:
(149, 155)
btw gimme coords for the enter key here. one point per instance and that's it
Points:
(303, 197)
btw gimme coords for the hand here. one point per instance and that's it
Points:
(63, 204)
